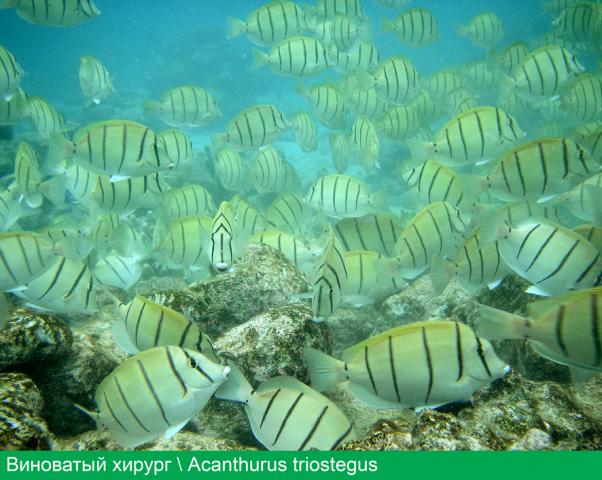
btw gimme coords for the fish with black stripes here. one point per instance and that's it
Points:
(189, 200)
(484, 29)
(271, 172)
(289, 213)
(178, 148)
(94, 80)
(375, 232)
(363, 139)
(300, 252)
(565, 329)
(583, 99)
(286, 414)
(326, 9)
(46, 118)
(118, 271)
(231, 170)
(361, 56)
(415, 27)
(11, 73)
(327, 102)
(54, 13)
(155, 392)
(183, 243)
(221, 241)
(144, 324)
(396, 80)
(129, 194)
(305, 131)
(329, 280)
(295, 57)
(14, 110)
(419, 365)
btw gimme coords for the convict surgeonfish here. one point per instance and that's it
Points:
(28, 176)
(419, 365)
(375, 232)
(253, 128)
(286, 414)
(581, 22)
(221, 247)
(296, 57)
(271, 172)
(293, 247)
(11, 73)
(366, 103)
(248, 221)
(45, 117)
(592, 233)
(339, 150)
(361, 56)
(484, 29)
(415, 27)
(364, 140)
(306, 132)
(144, 324)
(330, 280)
(327, 103)
(94, 79)
(10, 208)
(398, 122)
(289, 213)
(512, 56)
(189, 200)
(231, 170)
(184, 243)
(270, 23)
(583, 100)
(178, 148)
(14, 110)
(186, 106)
(395, 80)
(442, 83)
(583, 200)
(118, 271)
(155, 392)
(53, 13)
(326, 9)
(553, 258)
(129, 194)
(563, 329)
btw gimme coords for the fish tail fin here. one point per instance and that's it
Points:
(461, 30)
(150, 108)
(93, 415)
(54, 190)
(386, 25)
(59, 148)
(378, 200)
(302, 89)
(236, 388)
(324, 371)
(8, 3)
(494, 324)
(365, 80)
(420, 150)
(236, 28)
(441, 274)
(219, 141)
(259, 58)
(492, 229)
(310, 14)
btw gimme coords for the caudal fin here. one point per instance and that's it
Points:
(150, 107)
(236, 388)
(494, 324)
(259, 58)
(324, 371)
(236, 28)
(461, 30)
(386, 25)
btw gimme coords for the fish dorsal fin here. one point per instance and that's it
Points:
(542, 307)
(284, 381)
(122, 338)
(351, 352)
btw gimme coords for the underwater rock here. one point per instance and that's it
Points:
(261, 279)
(351, 325)
(33, 337)
(21, 403)
(512, 413)
(71, 380)
(272, 343)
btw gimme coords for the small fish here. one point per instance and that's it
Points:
(144, 324)
(184, 243)
(363, 56)
(580, 22)
(415, 27)
(14, 110)
(155, 392)
(52, 13)
(297, 250)
(479, 76)
(287, 415)
(11, 73)
(128, 195)
(94, 79)
(366, 103)
(330, 8)
(289, 213)
(306, 132)
(562, 329)
(343, 196)
(364, 139)
(189, 200)
(45, 117)
(10, 209)
(512, 56)
(419, 365)
(117, 271)
(231, 170)
(375, 232)
(327, 103)
(221, 251)
(425, 108)
(253, 128)
(186, 106)
(69, 239)
(247, 222)
(79, 181)
(583, 200)
(395, 80)
(271, 172)
(330, 280)
(592, 234)
(553, 258)
(339, 151)
(270, 23)
(583, 100)
(28, 176)
(23, 256)
(178, 147)
(484, 29)
(296, 57)
(442, 83)
(398, 122)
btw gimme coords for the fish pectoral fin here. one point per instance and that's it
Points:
(170, 432)
(122, 338)
(363, 395)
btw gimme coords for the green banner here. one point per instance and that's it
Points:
(310, 465)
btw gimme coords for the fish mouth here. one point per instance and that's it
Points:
(221, 267)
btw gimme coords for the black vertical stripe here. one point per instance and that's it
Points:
(128, 406)
(559, 329)
(392, 367)
(369, 370)
(459, 353)
(481, 355)
(152, 391)
(286, 417)
(313, 428)
(175, 371)
(429, 364)
(344, 435)
(112, 412)
(595, 318)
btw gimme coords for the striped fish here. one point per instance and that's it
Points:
(330, 8)
(563, 329)
(442, 83)
(346, 31)
(370, 277)
(544, 71)
(435, 182)
(583, 200)
(289, 213)
(28, 176)
(10, 209)
(127, 196)
(584, 98)
(119, 148)
(155, 392)
(107, 228)
(342, 196)
(296, 57)
(23, 256)
(66, 286)
(398, 122)
(581, 22)
(185, 242)
(178, 147)
(80, 181)
(479, 76)
(14, 110)
(540, 168)
(117, 271)
(330, 280)
(557, 6)
(593, 143)
(366, 103)
(69, 239)
(144, 324)
(514, 213)
(553, 258)
(415, 27)
(364, 139)
(375, 232)
(361, 56)
(306, 132)
(185, 106)
(53, 13)
(422, 364)
(327, 103)
(287, 415)
(484, 29)
(396, 80)
(472, 137)
(435, 231)
(253, 128)
(339, 151)
(45, 117)
(94, 79)
(221, 248)
(592, 234)
(231, 170)
(512, 56)
(425, 108)
(11, 74)
(247, 221)
(270, 172)
(270, 23)
(290, 245)
(189, 200)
